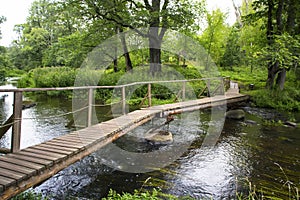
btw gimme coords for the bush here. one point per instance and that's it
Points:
(286, 100)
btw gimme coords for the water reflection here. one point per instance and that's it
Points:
(39, 123)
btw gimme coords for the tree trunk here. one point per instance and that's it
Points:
(270, 29)
(271, 79)
(116, 65)
(116, 53)
(281, 79)
(272, 71)
(291, 16)
(154, 50)
(279, 17)
(126, 53)
(155, 61)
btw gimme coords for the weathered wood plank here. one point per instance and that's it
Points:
(77, 140)
(12, 174)
(28, 164)
(57, 147)
(46, 163)
(6, 182)
(74, 137)
(58, 143)
(17, 168)
(63, 152)
(45, 152)
(75, 144)
(41, 156)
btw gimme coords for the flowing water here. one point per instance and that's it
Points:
(267, 156)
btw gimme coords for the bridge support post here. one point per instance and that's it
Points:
(149, 95)
(90, 106)
(208, 87)
(17, 121)
(183, 90)
(123, 101)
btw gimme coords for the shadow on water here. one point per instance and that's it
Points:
(268, 156)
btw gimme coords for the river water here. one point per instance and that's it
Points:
(247, 155)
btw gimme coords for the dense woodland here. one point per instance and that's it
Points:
(264, 40)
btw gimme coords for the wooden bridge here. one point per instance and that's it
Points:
(21, 169)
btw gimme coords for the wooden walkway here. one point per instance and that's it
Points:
(30, 166)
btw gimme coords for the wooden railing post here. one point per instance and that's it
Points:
(123, 101)
(183, 90)
(208, 87)
(17, 121)
(149, 95)
(90, 106)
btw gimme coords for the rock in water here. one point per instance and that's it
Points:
(160, 137)
(291, 124)
(237, 114)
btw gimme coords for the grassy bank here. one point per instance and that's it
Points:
(66, 77)
(285, 100)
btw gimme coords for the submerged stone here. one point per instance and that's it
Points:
(237, 114)
(291, 124)
(160, 137)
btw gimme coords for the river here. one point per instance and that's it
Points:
(247, 155)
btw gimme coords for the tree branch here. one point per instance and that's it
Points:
(148, 6)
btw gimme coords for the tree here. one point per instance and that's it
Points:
(38, 42)
(157, 16)
(2, 19)
(214, 36)
(278, 21)
(232, 54)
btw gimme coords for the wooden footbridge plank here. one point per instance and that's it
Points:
(30, 166)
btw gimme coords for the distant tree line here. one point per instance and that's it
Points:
(62, 33)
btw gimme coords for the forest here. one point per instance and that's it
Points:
(262, 47)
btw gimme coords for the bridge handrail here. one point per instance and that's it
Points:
(100, 87)
(18, 100)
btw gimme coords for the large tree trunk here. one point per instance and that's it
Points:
(291, 19)
(116, 53)
(281, 72)
(272, 71)
(271, 67)
(126, 53)
(270, 28)
(154, 39)
(281, 79)
(154, 51)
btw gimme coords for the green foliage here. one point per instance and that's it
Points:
(244, 76)
(147, 195)
(49, 77)
(2, 75)
(135, 196)
(232, 55)
(215, 35)
(283, 100)
(284, 50)
(2, 19)
(29, 195)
